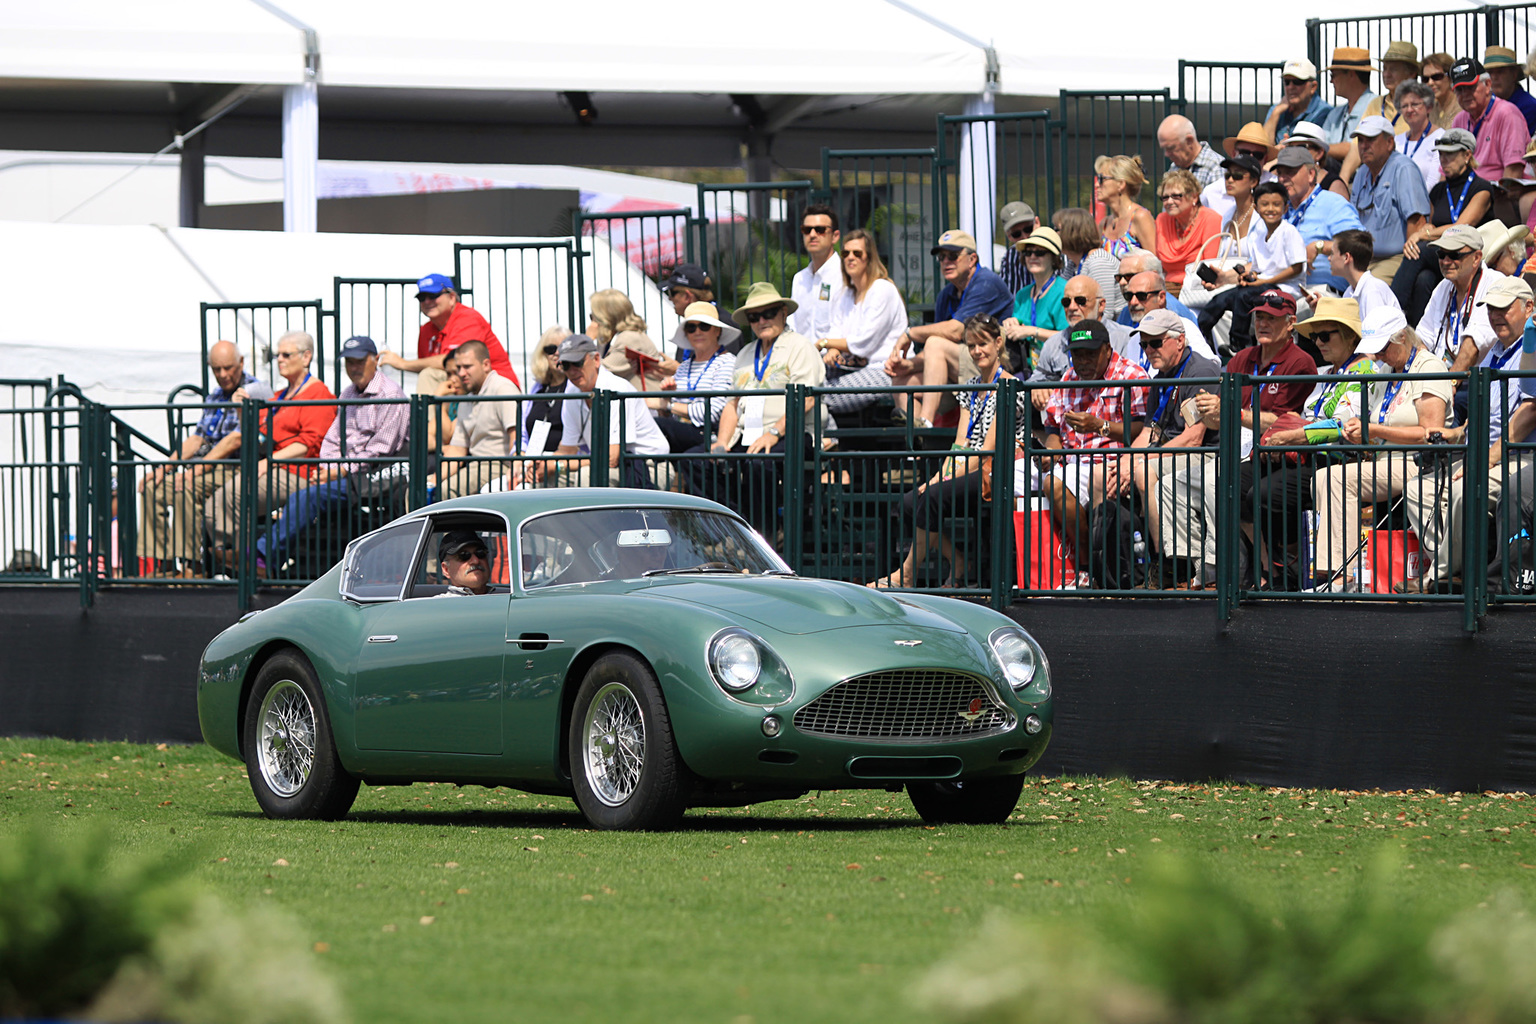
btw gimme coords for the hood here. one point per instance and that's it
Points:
(796, 604)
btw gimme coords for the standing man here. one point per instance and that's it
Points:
(1298, 79)
(1389, 194)
(1505, 73)
(1350, 76)
(818, 287)
(1183, 148)
(449, 324)
(1497, 125)
(486, 431)
(1019, 222)
(1318, 214)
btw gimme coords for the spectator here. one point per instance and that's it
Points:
(1298, 78)
(620, 333)
(1504, 248)
(171, 545)
(708, 367)
(687, 284)
(359, 432)
(1497, 125)
(1273, 256)
(1398, 65)
(1127, 225)
(547, 378)
(755, 425)
(1436, 73)
(1019, 220)
(449, 324)
(1240, 176)
(1185, 152)
(1084, 421)
(1455, 326)
(1037, 312)
(1461, 198)
(1505, 73)
(1146, 293)
(1140, 261)
(1350, 75)
(1415, 100)
(293, 432)
(1348, 258)
(1081, 300)
(442, 417)
(1316, 213)
(1082, 254)
(818, 287)
(1402, 413)
(1437, 512)
(485, 434)
(1316, 142)
(1251, 142)
(870, 316)
(1184, 226)
(954, 492)
(1388, 193)
(937, 357)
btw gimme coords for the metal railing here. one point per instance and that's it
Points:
(894, 195)
(630, 251)
(1461, 33)
(254, 328)
(1109, 123)
(750, 233)
(1222, 97)
(986, 162)
(522, 288)
(382, 308)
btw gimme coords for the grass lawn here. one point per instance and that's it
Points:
(468, 904)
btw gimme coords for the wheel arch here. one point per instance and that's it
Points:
(265, 653)
(574, 674)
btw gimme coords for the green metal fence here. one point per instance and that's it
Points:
(1222, 97)
(254, 328)
(750, 233)
(631, 251)
(1109, 123)
(894, 195)
(1461, 33)
(46, 438)
(382, 308)
(987, 161)
(522, 288)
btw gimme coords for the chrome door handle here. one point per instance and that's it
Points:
(532, 640)
(383, 638)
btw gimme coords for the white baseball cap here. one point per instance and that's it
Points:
(1300, 68)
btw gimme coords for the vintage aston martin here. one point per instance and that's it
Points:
(640, 651)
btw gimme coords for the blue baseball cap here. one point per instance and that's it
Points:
(359, 346)
(434, 284)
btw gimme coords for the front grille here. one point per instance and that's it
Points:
(904, 704)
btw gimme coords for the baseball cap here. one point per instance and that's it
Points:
(1307, 131)
(1276, 303)
(1456, 139)
(954, 238)
(1300, 68)
(1087, 334)
(1506, 291)
(1372, 126)
(1295, 156)
(456, 540)
(359, 346)
(575, 348)
(1378, 327)
(686, 275)
(434, 284)
(1460, 236)
(1015, 213)
(1160, 321)
(1466, 71)
(1246, 163)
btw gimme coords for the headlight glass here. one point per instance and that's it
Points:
(735, 660)
(1017, 657)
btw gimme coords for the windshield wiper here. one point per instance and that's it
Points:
(707, 567)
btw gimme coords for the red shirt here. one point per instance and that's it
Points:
(464, 324)
(1275, 396)
(301, 424)
(1107, 403)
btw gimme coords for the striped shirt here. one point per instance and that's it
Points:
(714, 375)
(374, 430)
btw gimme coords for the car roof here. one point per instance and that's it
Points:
(520, 505)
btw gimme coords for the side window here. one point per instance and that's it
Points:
(434, 574)
(377, 567)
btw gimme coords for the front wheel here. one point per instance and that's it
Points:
(624, 764)
(290, 754)
(977, 802)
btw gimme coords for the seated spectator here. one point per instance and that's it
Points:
(1271, 256)
(817, 288)
(1241, 175)
(1399, 64)
(1402, 412)
(1080, 301)
(1504, 248)
(1018, 221)
(1505, 73)
(295, 432)
(486, 434)
(627, 351)
(1185, 152)
(954, 492)
(687, 284)
(1298, 79)
(631, 428)
(1350, 75)
(449, 324)
(1082, 254)
(172, 545)
(1455, 325)
(1252, 143)
(1460, 198)
(1497, 125)
(1388, 193)
(1084, 421)
(688, 424)
(358, 432)
(1315, 141)
(1146, 292)
(937, 357)
(1127, 225)
(1415, 101)
(866, 322)
(755, 425)
(1184, 226)
(1140, 261)
(442, 417)
(1348, 257)
(1037, 312)
(1436, 73)
(1316, 213)
(465, 563)
(547, 377)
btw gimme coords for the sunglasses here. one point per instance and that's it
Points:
(985, 319)
(1236, 172)
(695, 328)
(1068, 301)
(850, 254)
(464, 555)
(550, 350)
(1152, 342)
(1143, 296)
(1439, 76)
(764, 314)
(1035, 250)
(1456, 257)
(815, 229)
(1324, 337)
(1020, 232)
(1174, 197)
(570, 367)
(287, 355)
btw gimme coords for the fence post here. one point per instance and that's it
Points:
(245, 538)
(1228, 522)
(1004, 427)
(127, 499)
(1315, 41)
(794, 473)
(597, 460)
(1475, 472)
(1491, 18)
(95, 489)
(703, 227)
(416, 493)
(579, 253)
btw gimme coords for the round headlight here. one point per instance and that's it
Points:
(736, 661)
(1016, 656)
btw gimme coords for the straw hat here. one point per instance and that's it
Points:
(761, 294)
(1351, 58)
(1044, 238)
(1500, 57)
(1254, 134)
(1497, 238)
(704, 313)
(1344, 312)
(1402, 52)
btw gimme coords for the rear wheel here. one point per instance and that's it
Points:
(290, 754)
(976, 802)
(624, 764)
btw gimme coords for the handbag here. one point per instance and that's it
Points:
(1047, 564)
(1193, 292)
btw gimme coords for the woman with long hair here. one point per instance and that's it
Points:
(547, 377)
(1127, 225)
(869, 317)
(626, 349)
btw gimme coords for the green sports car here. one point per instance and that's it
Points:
(640, 651)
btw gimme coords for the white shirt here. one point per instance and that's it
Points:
(1424, 155)
(1371, 292)
(1276, 251)
(1214, 197)
(641, 434)
(871, 327)
(817, 294)
(1434, 329)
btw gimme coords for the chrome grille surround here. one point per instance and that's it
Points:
(906, 704)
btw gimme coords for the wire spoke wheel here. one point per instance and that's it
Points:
(614, 744)
(286, 738)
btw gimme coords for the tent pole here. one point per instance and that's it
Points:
(301, 156)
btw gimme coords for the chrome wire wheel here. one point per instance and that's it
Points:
(613, 742)
(285, 738)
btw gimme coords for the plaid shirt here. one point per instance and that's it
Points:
(374, 430)
(1207, 166)
(219, 421)
(1107, 403)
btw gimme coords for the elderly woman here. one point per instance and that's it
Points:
(1402, 412)
(1415, 102)
(1037, 309)
(1127, 225)
(1184, 226)
(688, 423)
(868, 318)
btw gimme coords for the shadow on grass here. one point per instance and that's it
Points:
(573, 821)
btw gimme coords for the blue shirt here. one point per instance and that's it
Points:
(984, 293)
(1527, 106)
(1385, 204)
(1341, 121)
(1327, 214)
(1048, 312)
(219, 421)
(1316, 111)
(1124, 316)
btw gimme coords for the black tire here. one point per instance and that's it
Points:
(978, 802)
(624, 763)
(286, 718)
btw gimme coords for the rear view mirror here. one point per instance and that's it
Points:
(644, 538)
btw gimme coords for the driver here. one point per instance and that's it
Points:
(464, 561)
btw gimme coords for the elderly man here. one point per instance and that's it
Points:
(449, 324)
(465, 563)
(1497, 125)
(1141, 261)
(1398, 65)
(1437, 508)
(361, 433)
(1350, 75)
(170, 516)
(483, 435)
(1505, 73)
(818, 287)
(1145, 292)
(1315, 212)
(938, 353)
(1389, 194)
(1083, 301)
(1312, 136)
(1019, 222)
(1456, 323)
(689, 283)
(1183, 148)
(1298, 79)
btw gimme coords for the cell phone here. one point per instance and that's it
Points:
(1205, 273)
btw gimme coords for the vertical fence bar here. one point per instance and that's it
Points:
(597, 473)
(1228, 515)
(1474, 493)
(1004, 429)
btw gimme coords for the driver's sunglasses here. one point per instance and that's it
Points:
(465, 554)
(764, 314)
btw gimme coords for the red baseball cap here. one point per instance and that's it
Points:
(1276, 303)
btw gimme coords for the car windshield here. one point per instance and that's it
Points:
(628, 543)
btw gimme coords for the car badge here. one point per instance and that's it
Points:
(973, 712)
(907, 643)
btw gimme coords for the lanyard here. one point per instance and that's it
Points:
(1477, 125)
(1461, 200)
(972, 400)
(290, 389)
(760, 360)
(1415, 151)
(1499, 362)
(1034, 303)
(689, 376)
(1294, 217)
(1392, 390)
(1162, 403)
(1454, 316)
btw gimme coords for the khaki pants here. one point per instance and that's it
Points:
(1186, 498)
(1385, 268)
(272, 490)
(468, 478)
(1337, 494)
(1437, 510)
(171, 512)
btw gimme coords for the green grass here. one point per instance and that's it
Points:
(436, 902)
